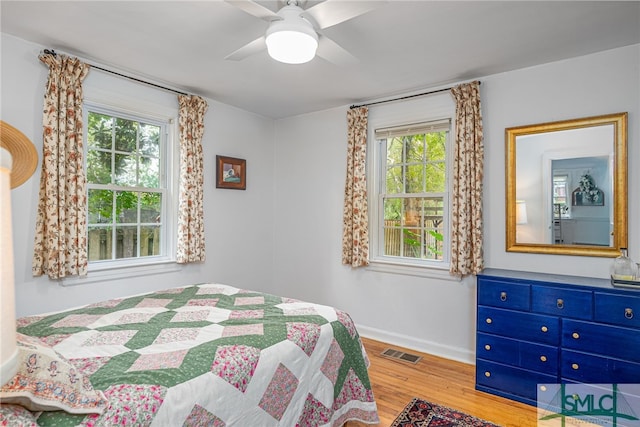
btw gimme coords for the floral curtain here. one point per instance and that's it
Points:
(191, 213)
(355, 234)
(466, 213)
(61, 225)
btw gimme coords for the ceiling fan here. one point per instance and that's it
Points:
(293, 35)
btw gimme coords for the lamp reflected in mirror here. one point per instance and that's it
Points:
(521, 217)
(521, 212)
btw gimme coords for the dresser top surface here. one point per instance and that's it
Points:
(554, 278)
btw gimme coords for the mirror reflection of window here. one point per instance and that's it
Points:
(561, 202)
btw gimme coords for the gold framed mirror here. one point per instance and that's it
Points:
(566, 187)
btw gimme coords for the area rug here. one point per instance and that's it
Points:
(420, 413)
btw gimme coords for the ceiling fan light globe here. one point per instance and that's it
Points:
(292, 39)
(292, 47)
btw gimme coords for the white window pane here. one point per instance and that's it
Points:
(149, 172)
(436, 179)
(149, 140)
(126, 207)
(126, 135)
(395, 180)
(412, 242)
(415, 176)
(125, 170)
(98, 167)
(414, 149)
(99, 243)
(100, 206)
(100, 131)
(150, 207)
(126, 241)
(149, 240)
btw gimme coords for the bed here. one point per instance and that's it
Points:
(201, 355)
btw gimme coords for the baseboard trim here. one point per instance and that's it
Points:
(429, 347)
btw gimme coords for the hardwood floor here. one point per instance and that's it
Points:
(437, 380)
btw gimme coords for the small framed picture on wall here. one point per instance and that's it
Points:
(231, 173)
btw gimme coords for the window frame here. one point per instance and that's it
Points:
(104, 102)
(161, 189)
(434, 108)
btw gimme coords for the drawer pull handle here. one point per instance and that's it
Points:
(575, 335)
(628, 313)
(503, 296)
(487, 347)
(543, 388)
(489, 320)
(560, 303)
(575, 366)
(543, 358)
(487, 374)
(544, 329)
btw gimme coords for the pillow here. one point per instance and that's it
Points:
(46, 381)
(16, 415)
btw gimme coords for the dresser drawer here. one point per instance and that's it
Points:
(593, 369)
(562, 302)
(623, 310)
(535, 357)
(606, 340)
(512, 324)
(521, 382)
(503, 294)
(498, 349)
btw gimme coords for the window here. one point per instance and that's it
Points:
(410, 211)
(128, 193)
(561, 205)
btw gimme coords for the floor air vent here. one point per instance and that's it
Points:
(401, 355)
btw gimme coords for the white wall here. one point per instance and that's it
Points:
(283, 234)
(428, 314)
(238, 230)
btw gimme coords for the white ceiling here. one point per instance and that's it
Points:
(402, 46)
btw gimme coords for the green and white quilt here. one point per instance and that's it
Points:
(212, 355)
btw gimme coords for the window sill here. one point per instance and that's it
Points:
(106, 273)
(432, 272)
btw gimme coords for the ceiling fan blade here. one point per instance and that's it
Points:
(248, 49)
(255, 9)
(333, 52)
(332, 12)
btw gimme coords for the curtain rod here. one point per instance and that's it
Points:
(135, 79)
(403, 97)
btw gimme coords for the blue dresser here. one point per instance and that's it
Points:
(547, 329)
